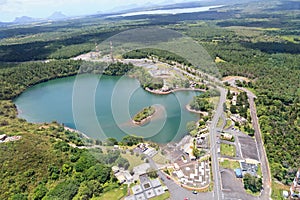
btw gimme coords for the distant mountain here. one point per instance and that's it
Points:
(57, 16)
(4, 24)
(24, 20)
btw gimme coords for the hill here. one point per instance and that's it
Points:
(42, 164)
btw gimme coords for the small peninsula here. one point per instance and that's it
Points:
(144, 115)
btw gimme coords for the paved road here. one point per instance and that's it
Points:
(266, 193)
(217, 193)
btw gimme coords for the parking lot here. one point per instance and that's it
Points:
(248, 147)
(232, 187)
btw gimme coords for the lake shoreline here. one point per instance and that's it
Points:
(188, 107)
(174, 90)
(22, 113)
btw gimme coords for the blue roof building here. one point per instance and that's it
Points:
(238, 173)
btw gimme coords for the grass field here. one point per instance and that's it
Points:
(133, 160)
(159, 158)
(277, 190)
(214, 101)
(252, 193)
(220, 122)
(228, 123)
(228, 150)
(116, 193)
(162, 197)
(259, 170)
(230, 164)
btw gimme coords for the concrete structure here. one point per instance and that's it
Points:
(147, 189)
(140, 197)
(146, 185)
(155, 183)
(132, 197)
(149, 193)
(159, 191)
(137, 189)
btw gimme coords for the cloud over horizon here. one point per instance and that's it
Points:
(10, 9)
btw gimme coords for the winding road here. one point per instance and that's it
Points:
(217, 193)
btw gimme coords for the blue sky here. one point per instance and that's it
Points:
(10, 9)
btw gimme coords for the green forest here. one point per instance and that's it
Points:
(43, 164)
(261, 44)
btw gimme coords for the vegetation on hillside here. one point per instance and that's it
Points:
(261, 44)
(161, 55)
(201, 102)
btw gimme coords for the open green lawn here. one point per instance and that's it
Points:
(228, 123)
(252, 193)
(133, 160)
(220, 122)
(159, 158)
(115, 194)
(259, 170)
(228, 150)
(277, 190)
(230, 164)
(162, 197)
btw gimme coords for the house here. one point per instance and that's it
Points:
(115, 169)
(188, 149)
(121, 178)
(226, 136)
(238, 173)
(176, 166)
(249, 168)
(237, 118)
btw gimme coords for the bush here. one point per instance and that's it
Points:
(40, 192)
(64, 190)
(252, 183)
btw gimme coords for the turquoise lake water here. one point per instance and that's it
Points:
(102, 106)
